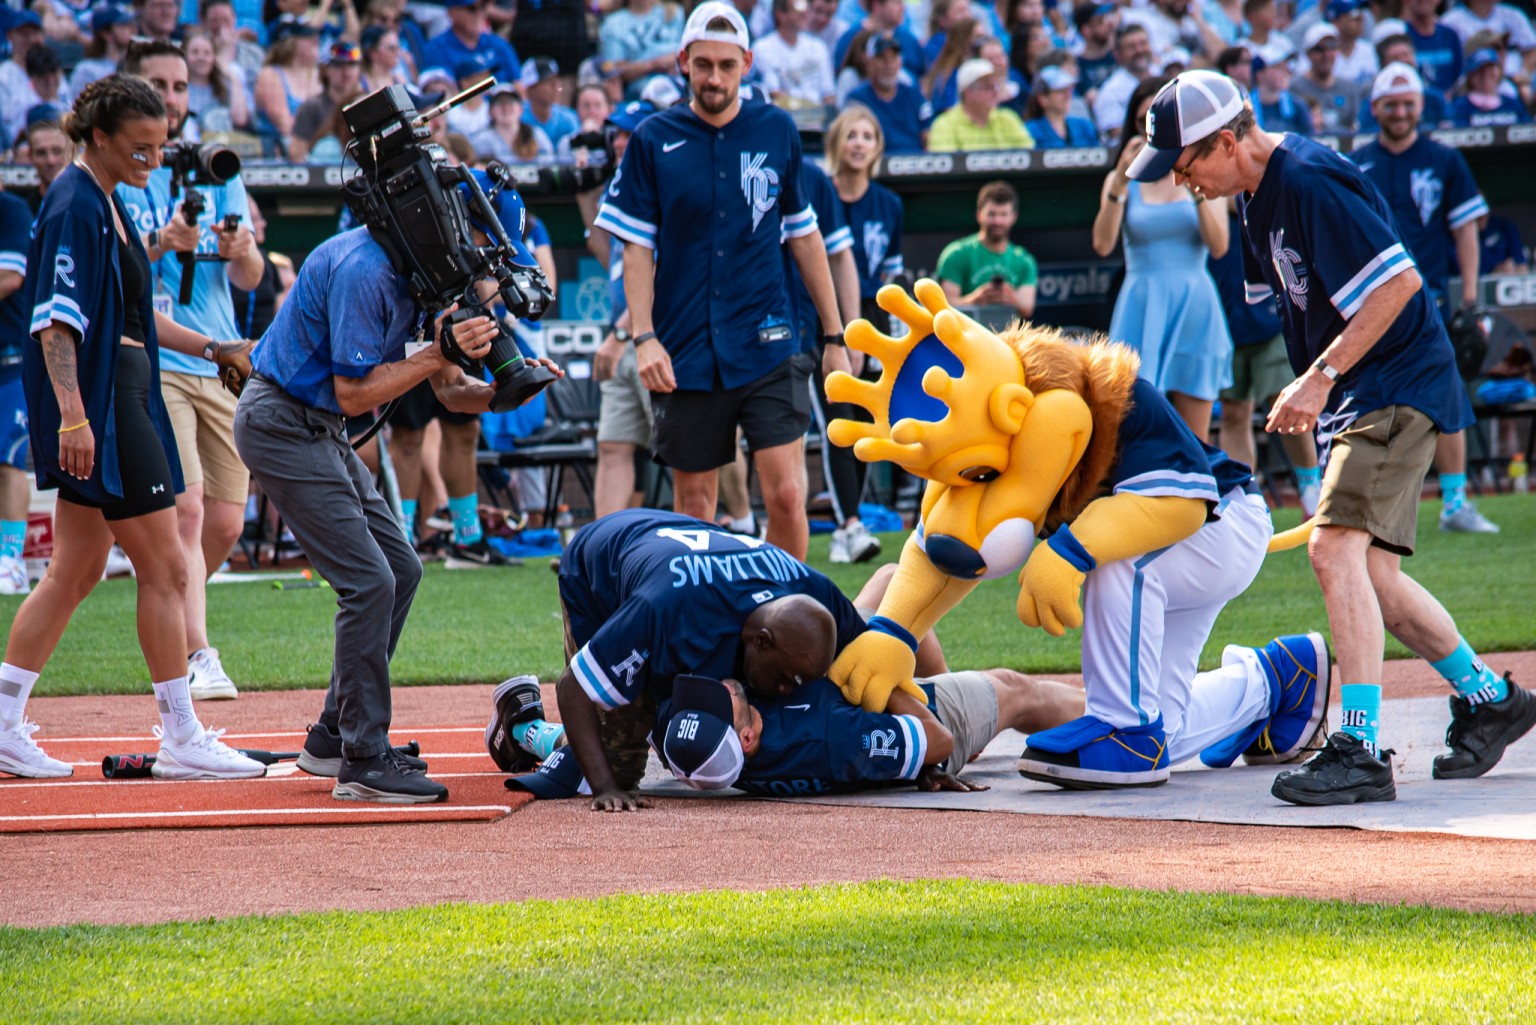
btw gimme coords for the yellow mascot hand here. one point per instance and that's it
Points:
(875, 664)
(1052, 583)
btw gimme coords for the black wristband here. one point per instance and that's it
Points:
(837, 340)
(647, 337)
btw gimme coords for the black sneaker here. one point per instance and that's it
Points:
(477, 556)
(386, 779)
(322, 752)
(515, 701)
(1343, 772)
(1478, 734)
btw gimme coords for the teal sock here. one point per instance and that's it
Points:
(13, 534)
(408, 518)
(540, 738)
(465, 513)
(1308, 476)
(1362, 713)
(1453, 491)
(1472, 679)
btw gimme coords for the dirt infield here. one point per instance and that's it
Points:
(560, 849)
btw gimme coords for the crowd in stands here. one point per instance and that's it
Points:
(270, 76)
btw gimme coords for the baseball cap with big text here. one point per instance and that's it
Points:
(697, 29)
(1189, 108)
(700, 744)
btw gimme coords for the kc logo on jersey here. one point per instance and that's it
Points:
(876, 241)
(759, 184)
(1426, 191)
(1289, 269)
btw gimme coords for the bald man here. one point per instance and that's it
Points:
(650, 595)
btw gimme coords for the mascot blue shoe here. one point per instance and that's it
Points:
(1090, 754)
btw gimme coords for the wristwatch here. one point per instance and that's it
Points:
(154, 238)
(1323, 367)
(622, 334)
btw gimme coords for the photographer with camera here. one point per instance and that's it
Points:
(338, 347)
(194, 215)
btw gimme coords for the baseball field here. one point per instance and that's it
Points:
(740, 910)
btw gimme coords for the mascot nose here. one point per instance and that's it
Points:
(954, 557)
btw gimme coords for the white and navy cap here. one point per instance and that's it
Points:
(697, 29)
(1189, 108)
(700, 744)
(559, 777)
(1397, 79)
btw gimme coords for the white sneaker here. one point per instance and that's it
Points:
(1310, 496)
(202, 757)
(862, 545)
(839, 552)
(206, 678)
(1467, 520)
(20, 756)
(13, 576)
(118, 564)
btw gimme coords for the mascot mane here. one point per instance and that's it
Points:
(1103, 373)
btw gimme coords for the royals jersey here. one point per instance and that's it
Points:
(815, 742)
(1431, 193)
(715, 204)
(834, 233)
(15, 240)
(1159, 456)
(1321, 238)
(653, 594)
(874, 219)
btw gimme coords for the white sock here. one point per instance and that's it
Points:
(15, 686)
(746, 525)
(177, 719)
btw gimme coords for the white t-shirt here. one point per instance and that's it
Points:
(803, 70)
(1502, 20)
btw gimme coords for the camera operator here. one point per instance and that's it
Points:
(338, 347)
(219, 248)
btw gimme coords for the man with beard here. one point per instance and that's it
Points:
(703, 198)
(1376, 380)
(210, 513)
(986, 269)
(1133, 54)
(1431, 192)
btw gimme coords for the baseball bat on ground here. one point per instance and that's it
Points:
(139, 766)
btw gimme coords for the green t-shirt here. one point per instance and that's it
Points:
(952, 131)
(970, 264)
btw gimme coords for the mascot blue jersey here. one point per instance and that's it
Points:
(1159, 456)
(650, 595)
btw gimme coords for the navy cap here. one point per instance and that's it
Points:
(1083, 13)
(512, 214)
(628, 117)
(1483, 58)
(536, 70)
(559, 777)
(21, 19)
(700, 744)
(1339, 8)
(1189, 108)
(474, 64)
(111, 14)
(881, 42)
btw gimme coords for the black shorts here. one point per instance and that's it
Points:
(420, 406)
(141, 461)
(695, 431)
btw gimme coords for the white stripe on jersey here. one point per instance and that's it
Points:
(1174, 483)
(1256, 294)
(839, 240)
(1471, 210)
(917, 746)
(802, 223)
(61, 308)
(18, 261)
(589, 673)
(630, 229)
(893, 265)
(1388, 264)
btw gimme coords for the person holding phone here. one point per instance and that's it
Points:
(210, 513)
(987, 269)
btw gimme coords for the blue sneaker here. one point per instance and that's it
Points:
(1299, 669)
(1090, 754)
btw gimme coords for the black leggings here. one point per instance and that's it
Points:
(141, 460)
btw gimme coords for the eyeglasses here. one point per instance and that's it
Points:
(1203, 149)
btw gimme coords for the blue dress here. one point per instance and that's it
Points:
(1168, 309)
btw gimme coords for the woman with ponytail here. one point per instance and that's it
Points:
(99, 430)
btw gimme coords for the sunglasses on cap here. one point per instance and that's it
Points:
(345, 52)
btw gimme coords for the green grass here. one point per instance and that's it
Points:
(885, 952)
(484, 626)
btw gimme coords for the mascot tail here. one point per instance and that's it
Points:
(1293, 538)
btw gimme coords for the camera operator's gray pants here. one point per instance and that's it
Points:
(301, 458)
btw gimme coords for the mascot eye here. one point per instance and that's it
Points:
(979, 474)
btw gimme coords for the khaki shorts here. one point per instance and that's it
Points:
(625, 415)
(966, 703)
(202, 414)
(1376, 471)
(1259, 372)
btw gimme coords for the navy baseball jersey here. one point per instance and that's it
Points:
(874, 219)
(1322, 238)
(1510, 111)
(650, 595)
(1161, 457)
(1249, 324)
(715, 204)
(1439, 55)
(1431, 192)
(15, 239)
(836, 237)
(815, 742)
